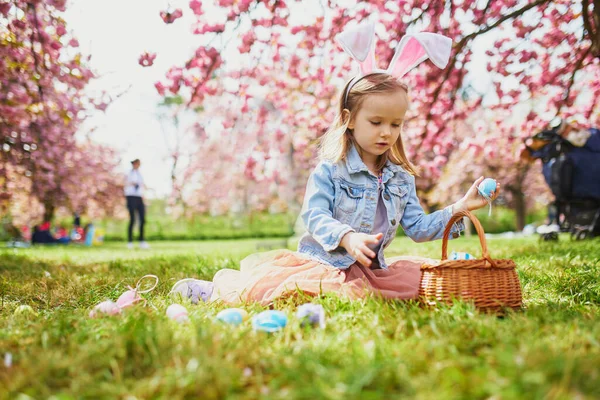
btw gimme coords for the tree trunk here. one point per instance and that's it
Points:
(49, 209)
(520, 209)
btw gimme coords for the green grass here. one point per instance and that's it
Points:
(162, 226)
(204, 227)
(370, 349)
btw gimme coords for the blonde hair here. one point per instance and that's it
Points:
(336, 142)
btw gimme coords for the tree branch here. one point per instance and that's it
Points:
(419, 17)
(512, 15)
(211, 69)
(460, 46)
(209, 72)
(585, 15)
(587, 24)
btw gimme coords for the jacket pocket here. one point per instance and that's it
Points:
(350, 197)
(399, 198)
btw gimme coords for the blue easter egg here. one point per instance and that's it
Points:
(232, 316)
(486, 187)
(269, 321)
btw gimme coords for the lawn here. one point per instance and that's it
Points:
(370, 349)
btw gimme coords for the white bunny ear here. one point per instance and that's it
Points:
(413, 49)
(359, 42)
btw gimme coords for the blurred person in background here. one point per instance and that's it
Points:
(134, 190)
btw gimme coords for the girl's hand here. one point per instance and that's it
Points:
(356, 244)
(473, 200)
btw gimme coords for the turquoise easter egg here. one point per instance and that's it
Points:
(232, 316)
(269, 321)
(486, 187)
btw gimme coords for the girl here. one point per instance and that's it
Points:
(356, 197)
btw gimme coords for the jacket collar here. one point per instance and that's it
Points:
(355, 164)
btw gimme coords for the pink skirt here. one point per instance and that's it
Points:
(265, 277)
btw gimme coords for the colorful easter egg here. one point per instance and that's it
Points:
(105, 308)
(25, 310)
(177, 313)
(269, 321)
(232, 316)
(311, 314)
(487, 187)
(129, 298)
(459, 255)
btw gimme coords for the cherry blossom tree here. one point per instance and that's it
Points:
(242, 172)
(491, 142)
(542, 50)
(84, 184)
(486, 148)
(182, 147)
(42, 105)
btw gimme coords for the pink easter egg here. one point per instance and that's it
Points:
(107, 307)
(128, 299)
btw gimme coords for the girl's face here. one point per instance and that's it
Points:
(377, 124)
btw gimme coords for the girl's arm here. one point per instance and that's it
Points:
(422, 227)
(317, 210)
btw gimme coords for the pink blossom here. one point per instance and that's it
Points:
(147, 59)
(61, 30)
(160, 88)
(170, 16)
(175, 73)
(102, 106)
(247, 41)
(196, 7)
(244, 5)
(4, 8)
(200, 29)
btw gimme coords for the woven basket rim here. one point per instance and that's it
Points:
(505, 263)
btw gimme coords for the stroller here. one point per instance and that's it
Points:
(573, 175)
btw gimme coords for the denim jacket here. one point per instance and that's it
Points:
(343, 197)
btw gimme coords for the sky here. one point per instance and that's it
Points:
(116, 33)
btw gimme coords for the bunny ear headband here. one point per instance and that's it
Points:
(412, 50)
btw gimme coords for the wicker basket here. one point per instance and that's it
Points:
(492, 285)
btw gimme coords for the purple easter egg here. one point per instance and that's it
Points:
(311, 314)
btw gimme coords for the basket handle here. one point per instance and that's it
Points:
(479, 230)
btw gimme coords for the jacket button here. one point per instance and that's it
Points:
(393, 222)
(386, 196)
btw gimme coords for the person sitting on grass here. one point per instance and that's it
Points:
(62, 235)
(362, 190)
(41, 234)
